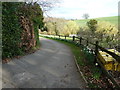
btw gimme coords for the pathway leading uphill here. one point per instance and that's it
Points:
(52, 66)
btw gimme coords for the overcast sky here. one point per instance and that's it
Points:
(74, 9)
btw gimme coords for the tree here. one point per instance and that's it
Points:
(33, 12)
(84, 32)
(85, 16)
(46, 5)
(55, 28)
(92, 24)
(50, 28)
(107, 33)
(55, 25)
(70, 27)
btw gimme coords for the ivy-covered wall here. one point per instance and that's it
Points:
(20, 22)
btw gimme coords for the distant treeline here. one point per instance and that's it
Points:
(104, 32)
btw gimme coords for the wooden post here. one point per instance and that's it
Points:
(96, 51)
(96, 48)
(80, 40)
(73, 38)
(59, 36)
(65, 37)
(87, 42)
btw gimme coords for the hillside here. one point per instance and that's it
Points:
(113, 20)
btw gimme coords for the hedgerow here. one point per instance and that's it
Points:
(15, 38)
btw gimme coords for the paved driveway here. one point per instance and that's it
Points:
(52, 66)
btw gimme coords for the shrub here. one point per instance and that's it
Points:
(11, 31)
(16, 35)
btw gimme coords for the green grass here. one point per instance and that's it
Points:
(68, 38)
(112, 20)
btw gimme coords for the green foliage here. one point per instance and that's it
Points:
(104, 32)
(92, 25)
(11, 26)
(70, 28)
(37, 21)
(36, 33)
(50, 28)
(55, 26)
(11, 33)
(96, 71)
(84, 32)
(61, 26)
(89, 55)
(35, 15)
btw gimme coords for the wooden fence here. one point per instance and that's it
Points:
(79, 41)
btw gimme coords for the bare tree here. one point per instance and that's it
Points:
(47, 4)
(85, 16)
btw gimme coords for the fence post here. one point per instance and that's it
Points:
(73, 38)
(96, 51)
(65, 37)
(59, 36)
(87, 42)
(96, 48)
(80, 40)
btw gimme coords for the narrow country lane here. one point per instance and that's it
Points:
(52, 66)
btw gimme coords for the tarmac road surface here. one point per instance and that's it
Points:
(52, 66)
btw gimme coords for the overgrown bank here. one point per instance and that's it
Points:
(20, 23)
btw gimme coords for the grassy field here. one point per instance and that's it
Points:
(112, 20)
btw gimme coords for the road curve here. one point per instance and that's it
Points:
(52, 66)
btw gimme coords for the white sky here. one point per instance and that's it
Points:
(74, 9)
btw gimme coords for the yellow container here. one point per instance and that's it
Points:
(117, 66)
(115, 51)
(109, 66)
(108, 61)
(105, 58)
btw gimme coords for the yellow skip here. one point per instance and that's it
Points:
(108, 61)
